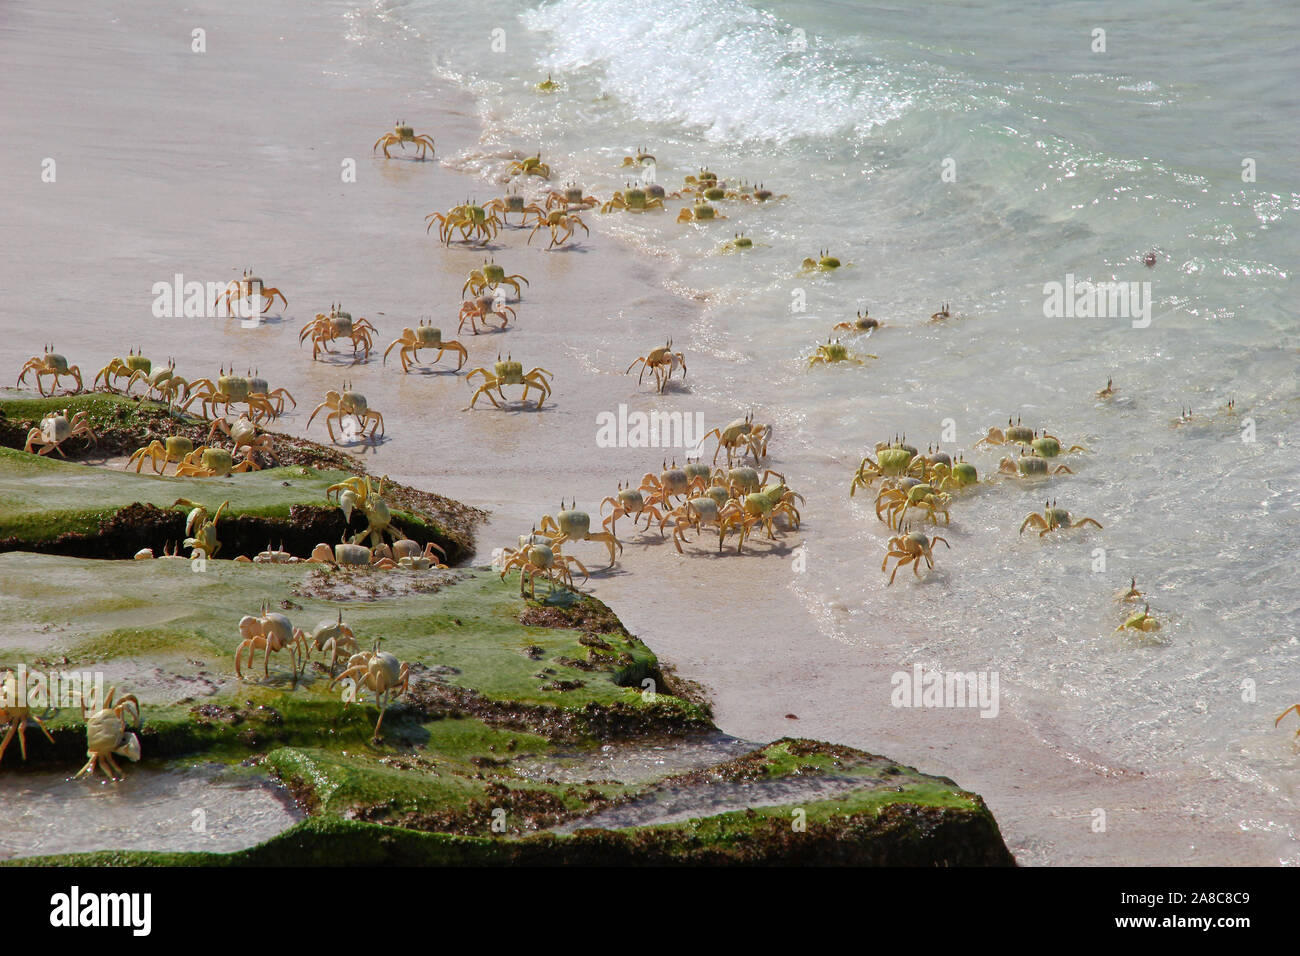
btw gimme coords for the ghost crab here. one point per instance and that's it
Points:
(248, 286)
(359, 492)
(896, 502)
(171, 450)
(269, 632)
(1030, 466)
(122, 368)
(15, 714)
(833, 352)
(332, 638)
(229, 389)
(659, 490)
(424, 336)
(558, 221)
(1054, 519)
(629, 502)
(633, 199)
(380, 673)
(342, 404)
(699, 212)
(863, 323)
(206, 462)
(244, 437)
(469, 218)
(530, 166)
(50, 362)
(662, 361)
(911, 547)
(337, 324)
(164, 381)
(55, 429)
(202, 532)
(825, 262)
(1142, 621)
(107, 734)
(536, 555)
(893, 460)
(740, 437)
(510, 372)
(502, 206)
(642, 158)
(695, 513)
(400, 136)
(571, 195)
(480, 307)
(760, 508)
(573, 525)
(489, 278)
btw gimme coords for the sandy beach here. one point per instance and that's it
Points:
(174, 162)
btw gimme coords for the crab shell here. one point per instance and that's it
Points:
(834, 351)
(353, 403)
(405, 132)
(705, 507)
(573, 194)
(1046, 447)
(322, 553)
(541, 555)
(341, 323)
(1020, 433)
(509, 373)
(828, 262)
(704, 212)
(894, 461)
(675, 481)
(719, 494)
(964, 473)
(495, 273)
(745, 478)
(106, 733)
(138, 363)
(218, 460)
(695, 469)
(234, 386)
(351, 554)
(631, 499)
(574, 524)
(428, 336)
(56, 362)
(514, 203)
(258, 386)
(1057, 517)
(55, 428)
(742, 242)
(243, 431)
(406, 548)
(1031, 465)
(714, 193)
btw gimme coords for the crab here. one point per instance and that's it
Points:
(510, 372)
(424, 336)
(270, 631)
(347, 402)
(409, 555)
(259, 389)
(740, 436)
(248, 286)
(480, 307)
(892, 461)
(533, 557)
(833, 352)
(863, 323)
(759, 193)
(337, 324)
(229, 389)
(333, 638)
(530, 166)
(380, 673)
(164, 382)
(1054, 519)
(122, 368)
(572, 195)
(573, 525)
(741, 481)
(1109, 391)
(502, 206)
(15, 715)
(274, 555)
(55, 429)
(1015, 433)
(50, 362)
(202, 531)
(557, 220)
(954, 474)
(1141, 621)
(1048, 446)
(1030, 466)
(633, 199)
(696, 513)
(896, 502)
(489, 277)
(359, 492)
(547, 85)
(909, 548)
(699, 212)
(660, 489)
(662, 361)
(642, 158)
(244, 437)
(469, 218)
(705, 178)
(627, 503)
(207, 462)
(170, 450)
(825, 262)
(760, 508)
(400, 136)
(107, 734)
(739, 242)
(942, 315)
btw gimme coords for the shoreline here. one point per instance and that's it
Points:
(742, 630)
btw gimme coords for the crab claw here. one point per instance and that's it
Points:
(347, 501)
(130, 748)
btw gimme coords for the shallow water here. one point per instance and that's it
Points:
(184, 807)
(1067, 163)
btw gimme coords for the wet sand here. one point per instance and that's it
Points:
(170, 161)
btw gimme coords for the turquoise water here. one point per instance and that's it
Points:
(1063, 162)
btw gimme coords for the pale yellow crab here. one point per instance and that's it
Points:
(50, 363)
(55, 429)
(662, 361)
(107, 734)
(400, 136)
(344, 404)
(510, 372)
(833, 352)
(424, 336)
